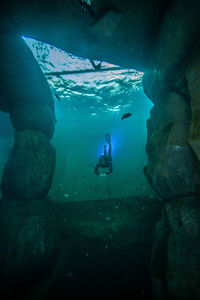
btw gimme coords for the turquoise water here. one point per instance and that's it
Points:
(102, 226)
(79, 141)
(87, 106)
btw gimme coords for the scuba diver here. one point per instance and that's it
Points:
(104, 165)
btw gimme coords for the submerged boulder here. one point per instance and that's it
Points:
(29, 239)
(29, 170)
(172, 169)
(193, 81)
(176, 250)
(33, 116)
(183, 260)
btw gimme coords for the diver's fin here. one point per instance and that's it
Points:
(107, 137)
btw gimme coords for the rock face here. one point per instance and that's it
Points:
(173, 150)
(175, 44)
(25, 94)
(193, 81)
(182, 266)
(28, 231)
(35, 116)
(172, 168)
(175, 256)
(30, 167)
(28, 245)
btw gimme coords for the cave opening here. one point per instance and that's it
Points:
(87, 105)
(107, 223)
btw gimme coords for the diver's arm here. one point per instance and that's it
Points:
(96, 169)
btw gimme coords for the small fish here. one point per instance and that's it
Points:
(57, 97)
(127, 115)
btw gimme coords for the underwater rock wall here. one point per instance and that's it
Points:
(175, 44)
(29, 237)
(27, 97)
(29, 170)
(183, 258)
(173, 170)
(193, 81)
(29, 232)
(175, 255)
(173, 151)
(173, 167)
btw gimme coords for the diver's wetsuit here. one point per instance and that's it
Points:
(105, 162)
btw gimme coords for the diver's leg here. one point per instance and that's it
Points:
(105, 152)
(107, 137)
(109, 152)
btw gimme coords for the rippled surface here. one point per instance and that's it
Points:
(93, 91)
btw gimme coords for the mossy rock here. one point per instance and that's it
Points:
(30, 167)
